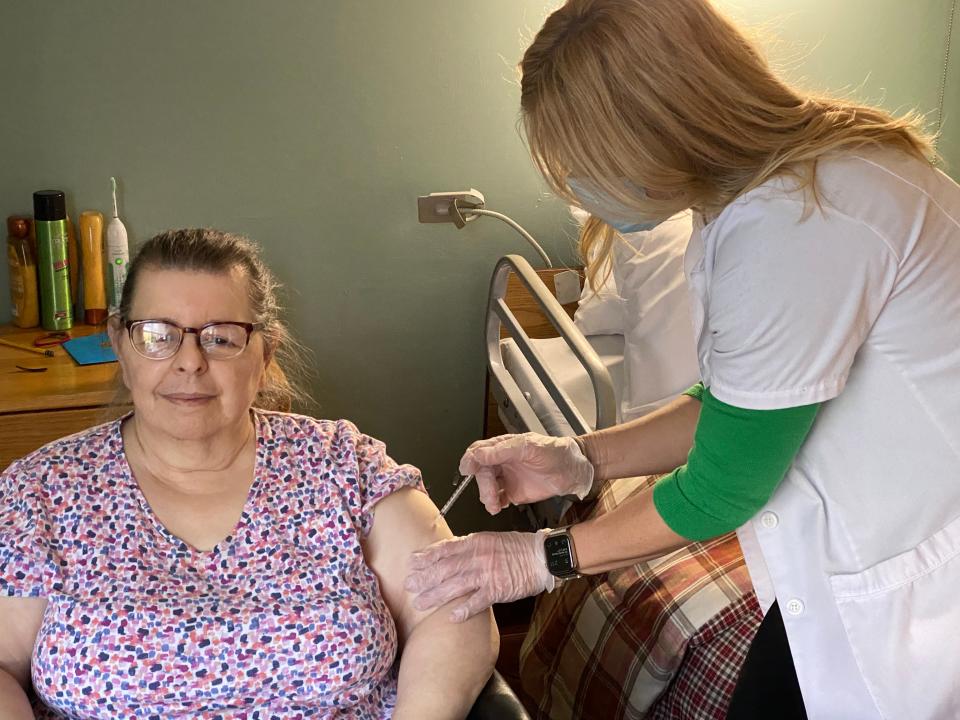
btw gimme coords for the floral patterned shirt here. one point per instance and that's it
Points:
(282, 619)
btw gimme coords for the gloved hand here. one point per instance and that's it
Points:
(525, 468)
(482, 568)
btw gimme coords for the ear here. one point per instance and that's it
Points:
(269, 351)
(268, 357)
(116, 332)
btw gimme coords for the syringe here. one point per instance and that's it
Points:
(456, 494)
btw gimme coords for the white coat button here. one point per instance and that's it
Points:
(769, 520)
(795, 606)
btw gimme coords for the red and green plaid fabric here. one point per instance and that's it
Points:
(660, 639)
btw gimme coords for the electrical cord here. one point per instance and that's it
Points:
(516, 226)
(463, 211)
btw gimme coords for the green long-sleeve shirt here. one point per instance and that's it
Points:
(738, 458)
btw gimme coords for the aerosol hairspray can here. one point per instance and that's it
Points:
(50, 223)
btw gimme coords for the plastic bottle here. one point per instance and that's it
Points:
(24, 300)
(118, 255)
(50, 223)
(91, 250)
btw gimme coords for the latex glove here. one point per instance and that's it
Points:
(482, 568)
(513, 469)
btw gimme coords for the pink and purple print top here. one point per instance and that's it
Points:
(283, 619)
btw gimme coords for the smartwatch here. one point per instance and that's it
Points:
(560, 554)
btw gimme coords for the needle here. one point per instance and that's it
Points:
(456, 494)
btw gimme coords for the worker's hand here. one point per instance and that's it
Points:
(482, 569)
(513, 469)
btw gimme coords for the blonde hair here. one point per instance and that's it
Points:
(670, 95)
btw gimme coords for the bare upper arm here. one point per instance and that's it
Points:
(20, 620)
(404, 522)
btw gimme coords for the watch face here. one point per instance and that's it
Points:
(559, 557)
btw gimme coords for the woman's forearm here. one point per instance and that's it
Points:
(632, 532)
(655, 443)
(14, 704)
(441, 669)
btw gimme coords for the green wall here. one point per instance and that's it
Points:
(884, 52)
(312, 126)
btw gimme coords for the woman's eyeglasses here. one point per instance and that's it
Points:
(161, 339)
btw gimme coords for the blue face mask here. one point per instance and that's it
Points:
(612, 212)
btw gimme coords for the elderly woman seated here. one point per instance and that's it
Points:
(201, 557)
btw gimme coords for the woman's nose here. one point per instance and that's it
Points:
(190, 357)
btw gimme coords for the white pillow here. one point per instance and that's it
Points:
(600, 312)
(660, 353)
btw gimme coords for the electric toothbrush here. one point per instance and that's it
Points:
(118, 254)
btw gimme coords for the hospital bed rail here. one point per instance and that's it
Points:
(499, 315)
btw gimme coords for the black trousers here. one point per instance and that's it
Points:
(768, 686)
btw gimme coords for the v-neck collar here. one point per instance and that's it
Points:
(176, 543)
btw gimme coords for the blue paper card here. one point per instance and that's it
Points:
(90, 349)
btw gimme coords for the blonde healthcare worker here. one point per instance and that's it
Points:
(825, 271)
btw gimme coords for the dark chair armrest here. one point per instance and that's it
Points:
(497, 702)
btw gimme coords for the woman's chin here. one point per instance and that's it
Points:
(192, 422)
(190, 418)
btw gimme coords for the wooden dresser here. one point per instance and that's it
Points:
(37, 407)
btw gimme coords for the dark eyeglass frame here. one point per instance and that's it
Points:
(184, 331)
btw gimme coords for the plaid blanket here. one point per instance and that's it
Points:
(660, 639)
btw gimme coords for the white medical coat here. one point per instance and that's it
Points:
(856, 306)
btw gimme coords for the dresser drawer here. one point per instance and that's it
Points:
(21, 433)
